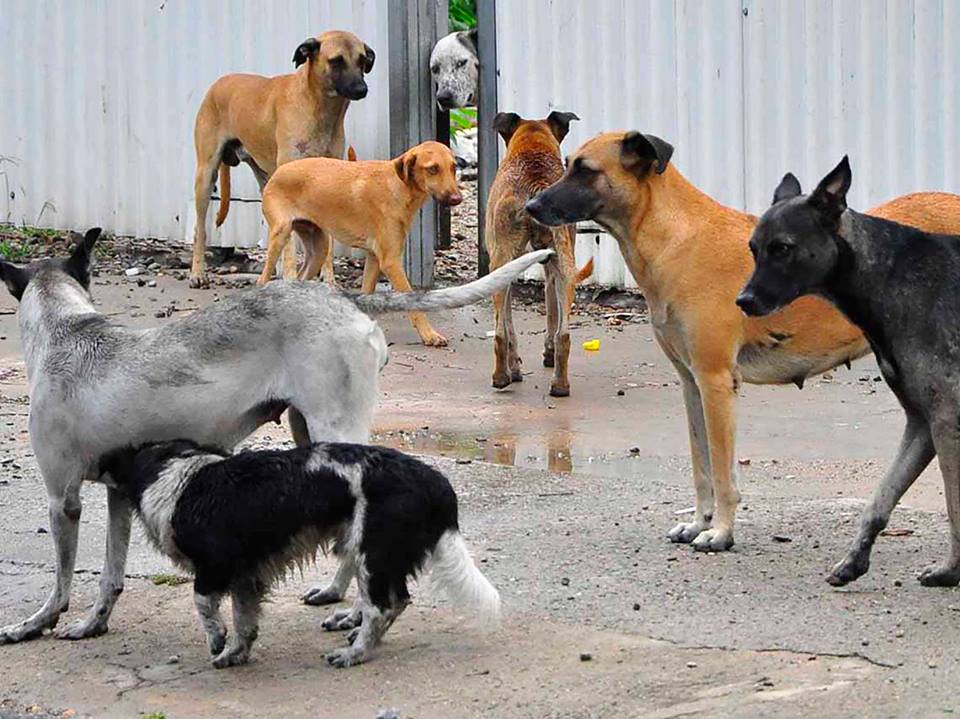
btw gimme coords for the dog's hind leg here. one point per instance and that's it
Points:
(562, 300)
(63, 489)
(279, 238)
(208, 162)
(208, 609)
(246, 597)
(915, 453)
(700, 453)
(947, 441)
(120, 512)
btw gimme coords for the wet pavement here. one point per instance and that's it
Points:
(566, 503)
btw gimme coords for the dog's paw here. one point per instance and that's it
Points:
(848, 569)
(713, 540)
(199, 281)
(946, 576)
(216, 643)
(86, 628)
(13, 633)
(346, 657)
(317, 597)
(686, 532)
(549, 358)
(500, 381)
(433, 339)
(559, 389)
(231, 657)
(516, 374)
(343, 620)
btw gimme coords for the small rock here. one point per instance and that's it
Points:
(620, 393)
(388, 714)
(932, 664)
(897, 583)
(173, 659)
(460, 460)
(565, 581)
(743, 461)
(41, 530)
(634, 450)
(691, 665)
(636, 606)
(585, 656)
(899, 634)
(783, 539)
(152, 283)
(132, 271)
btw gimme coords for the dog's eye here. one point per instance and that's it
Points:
(435, 68)
(462, 62)
(780, 249)
(433, 170)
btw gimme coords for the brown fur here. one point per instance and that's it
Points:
(690, 256)
(275, 119)
(532, 163)
(368, 205)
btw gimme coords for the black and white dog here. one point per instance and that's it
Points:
(241, 522)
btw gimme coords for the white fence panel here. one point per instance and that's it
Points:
(100, 96)
(747, 89)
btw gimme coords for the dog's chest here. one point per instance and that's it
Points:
(669, 331)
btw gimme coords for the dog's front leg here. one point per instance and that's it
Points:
(686, 532)
(63, 489)
(337, 589)
(718, 394)
(915, 453)
(94, 624)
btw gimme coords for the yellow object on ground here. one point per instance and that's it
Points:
(592, 345)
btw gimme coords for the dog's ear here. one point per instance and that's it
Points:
(830, 197)
(559, 123)
(470, 38)
(307, 50)
(15, 278)
(404, 165)
(368, 57)
(788, 188)
(78, 264)
(506, 123)
(639, 152)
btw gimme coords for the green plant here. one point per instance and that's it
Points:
(154, 715)
(14, 251)
(462, 118)
(462, 14)
(168, 580)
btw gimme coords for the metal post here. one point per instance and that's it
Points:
(412, 33)
(487, 157)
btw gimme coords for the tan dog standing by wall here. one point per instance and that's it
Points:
(368, 205)
(532, 163)
(690, 256)
(267, 121)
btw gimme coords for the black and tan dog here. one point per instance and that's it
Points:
(533, 163)
(267, 121)
(901, 286)
(689, 254)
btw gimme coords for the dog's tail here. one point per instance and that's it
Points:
(224, 193)
(584, 272)
(380, 303)
(452, 570)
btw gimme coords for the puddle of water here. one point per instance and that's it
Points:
(558, 450)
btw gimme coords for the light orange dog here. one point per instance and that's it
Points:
(532, 163)
(690, 256)
(367, 204)
(267, 121)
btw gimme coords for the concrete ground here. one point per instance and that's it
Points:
(566, 503)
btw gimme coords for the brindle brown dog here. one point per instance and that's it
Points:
(267, 121)
(533, 163)
(690, 256)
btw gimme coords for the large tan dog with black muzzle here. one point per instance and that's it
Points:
(368, 205)
(690, 256)
(267, 121)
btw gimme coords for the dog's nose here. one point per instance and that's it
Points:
(453, 200)
(358, 91)
(747, 301)
(534, 208)
(445, 99)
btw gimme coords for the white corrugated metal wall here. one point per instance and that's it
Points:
(748, 89)
(98, 100)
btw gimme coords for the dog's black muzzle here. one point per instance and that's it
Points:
(755, 302)
(446, 100)
(352, 89)
(562, 204)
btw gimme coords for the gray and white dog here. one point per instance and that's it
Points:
(455, 67)
(212, 378)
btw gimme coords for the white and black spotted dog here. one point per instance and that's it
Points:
(239, 523)
(455, 67)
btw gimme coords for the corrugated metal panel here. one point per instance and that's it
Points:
(96, 126)
(747, 89)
